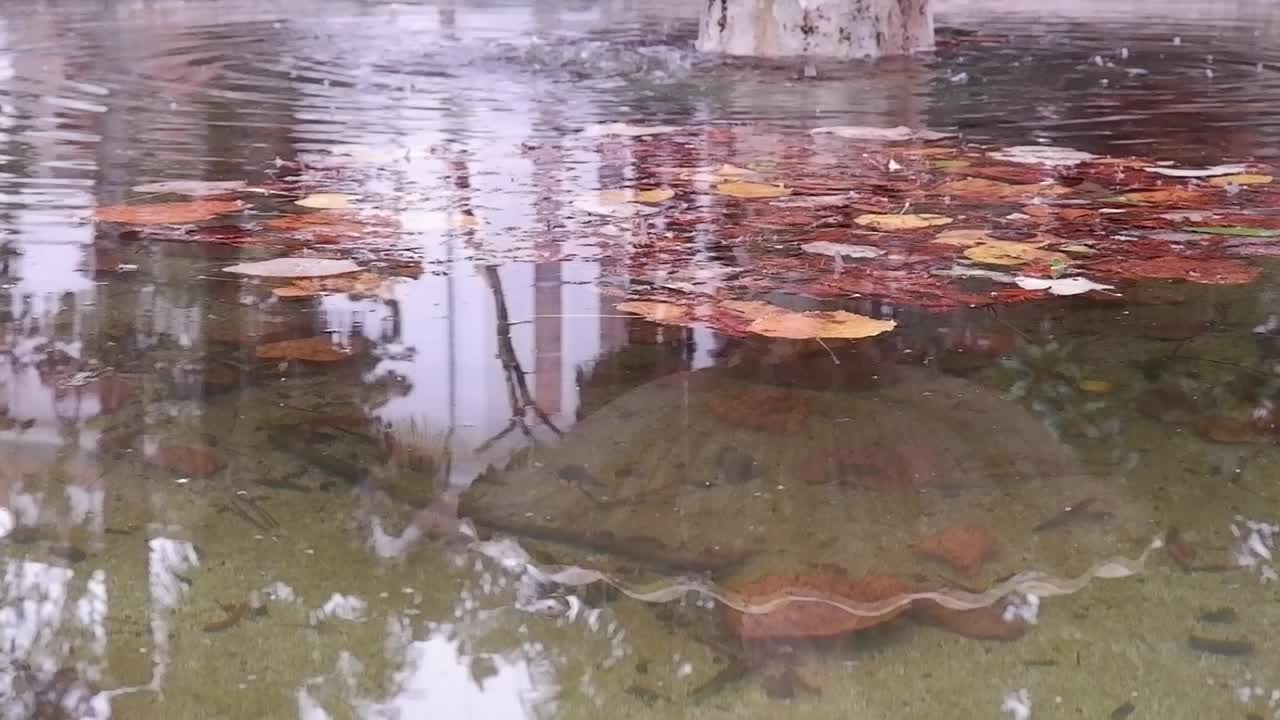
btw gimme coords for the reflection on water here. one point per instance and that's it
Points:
(504, 498)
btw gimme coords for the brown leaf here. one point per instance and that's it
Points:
(320, 348)
(981, 189)
(964, 547)
(188, 460)
(1208, 272)
(170, 213)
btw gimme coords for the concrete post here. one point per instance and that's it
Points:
(844, 29)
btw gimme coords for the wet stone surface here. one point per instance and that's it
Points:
(375, 360)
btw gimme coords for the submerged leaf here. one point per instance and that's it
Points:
(170, 213)
(320, 348)
(327, 201)
(191, 188)
(901, 222)
(294, 268)
(1226, 180)
(753, 190)
(1234, 230)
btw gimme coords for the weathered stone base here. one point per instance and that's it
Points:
(820, 28)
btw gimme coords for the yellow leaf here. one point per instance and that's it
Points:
(773, 321)
(742, 189)
(326, 201)
(901, 222)
(1225, 180)
(1097, 387)
(968, 237)
(659, 312)
(764, 319)
(364, 284)
(1172, 195)
(1005, 252)
(984, 189)
(948, 165)
(1077, 248)
(627, 195)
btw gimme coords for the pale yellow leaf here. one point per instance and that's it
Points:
(1225, 180)
(1004, 252)
(742, 189)
(901, 222)
(773, 321)
(628, 195)
(659, 312)
(326, 201)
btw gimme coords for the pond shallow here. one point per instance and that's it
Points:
(195, 528)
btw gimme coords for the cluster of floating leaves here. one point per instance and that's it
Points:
(717, 217)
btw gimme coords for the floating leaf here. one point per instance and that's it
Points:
(901, 222)
(1209, 272)
(1044, 155)
(1006, 252)
(364, 284)
(1234, 230)
(763, 319)
(948, 165)
(294, 268)
(1225, 180)
(984, 189)
(773, 321)
(192, 188)
(171, 213)
(320, 348)
(1169, 195)
(1062, 286)
(622, 129)
(876, 134)
(327, 201)
(1198, 172)
(743, 189)
(656, 195)
(834, 249)
(599, 203)
(659, 312)
(968, 237)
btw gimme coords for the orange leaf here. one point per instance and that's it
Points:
(170, 213)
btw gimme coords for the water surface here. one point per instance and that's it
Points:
(193, 530)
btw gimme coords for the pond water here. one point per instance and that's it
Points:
(466, 483)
